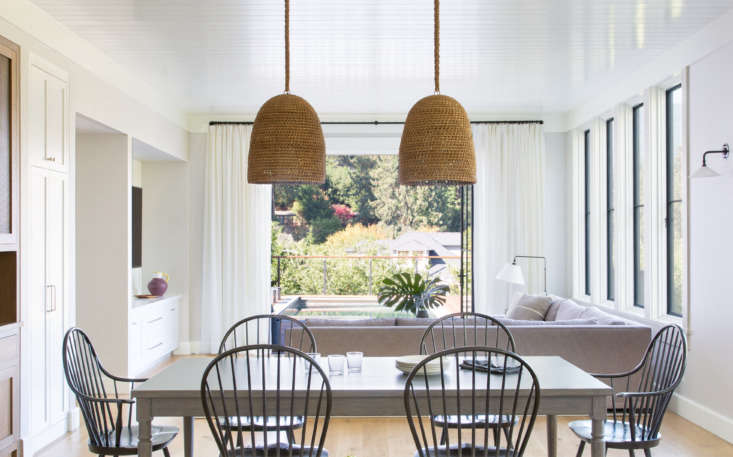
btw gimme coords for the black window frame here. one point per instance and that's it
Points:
(637, 203)
(610, 213)
(586, 197)
(669, 192)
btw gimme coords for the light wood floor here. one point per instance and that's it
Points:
(391, 437)
(380, 437)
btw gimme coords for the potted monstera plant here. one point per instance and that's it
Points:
(413, 293)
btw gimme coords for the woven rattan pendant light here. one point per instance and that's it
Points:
(437, 144)
(287, 144)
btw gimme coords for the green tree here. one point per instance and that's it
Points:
(322, 227)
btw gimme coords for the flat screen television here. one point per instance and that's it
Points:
(137, 227)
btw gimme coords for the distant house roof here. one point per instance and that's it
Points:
(440, 242)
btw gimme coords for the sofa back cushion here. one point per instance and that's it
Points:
(530, 308)
(414, 321)
(568, 309)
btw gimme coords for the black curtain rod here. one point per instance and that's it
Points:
(375, 122)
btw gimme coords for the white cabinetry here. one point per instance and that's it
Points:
(48, 116)
(48, 309)
(153, 332)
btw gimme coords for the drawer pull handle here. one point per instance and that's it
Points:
(155, 320)
(155, 346)
(50, 159)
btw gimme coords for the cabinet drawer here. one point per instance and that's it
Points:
(154, 332)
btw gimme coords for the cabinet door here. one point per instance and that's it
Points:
(47, 297)
(9, 143)
(55, 291)
(48, 117)
(9, 402)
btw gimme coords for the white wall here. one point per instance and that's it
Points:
(103, 231)
(196, 170)
(557, 215)
(165, 231)
(705, 395)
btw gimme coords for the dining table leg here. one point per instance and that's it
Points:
(188, 436)
(551, 435)
(144, 422)
(598, 418)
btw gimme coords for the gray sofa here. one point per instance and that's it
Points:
(587, 337)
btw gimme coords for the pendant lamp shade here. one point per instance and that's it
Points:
(437, 144)
(286, 145)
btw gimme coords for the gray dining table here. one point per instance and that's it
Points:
(377, 391)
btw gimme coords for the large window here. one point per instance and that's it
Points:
(673, 220)
(639, 161)
(635, 259)
(586, 198)
(610, 220)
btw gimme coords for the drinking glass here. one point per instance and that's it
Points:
(316, 356)
(354, 360)
(336, 364)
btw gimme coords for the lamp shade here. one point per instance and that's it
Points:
(511, 273)
(437, 144)
(705, 172)
(286, 145)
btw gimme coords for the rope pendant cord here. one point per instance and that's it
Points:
(287, 46)
(436, 44)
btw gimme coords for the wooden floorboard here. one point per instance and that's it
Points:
(380, 437)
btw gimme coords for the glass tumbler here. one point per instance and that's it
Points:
(316, 356)
(336, 364)
(354, 361)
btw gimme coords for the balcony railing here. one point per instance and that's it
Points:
(363, 272)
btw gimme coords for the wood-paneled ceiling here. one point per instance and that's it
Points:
(375, 56)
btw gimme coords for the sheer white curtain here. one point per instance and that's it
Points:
(508, 209)
(236, 269)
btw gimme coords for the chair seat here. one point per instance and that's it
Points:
(465, 449)
(617, 434)
(477, 421)
(161, 436)
(259, 423)
(259, 451)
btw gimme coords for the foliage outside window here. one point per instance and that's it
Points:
(610, 215)
(343, 229)
(587, 199)
(639, 192)
(674, 181)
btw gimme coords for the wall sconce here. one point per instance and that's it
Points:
(706, 172)
(512, 273)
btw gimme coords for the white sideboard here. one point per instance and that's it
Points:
(153, 332)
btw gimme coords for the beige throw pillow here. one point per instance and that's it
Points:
(530, 308)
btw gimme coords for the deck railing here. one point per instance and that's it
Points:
(398, 260)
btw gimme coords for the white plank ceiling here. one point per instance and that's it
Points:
(375, 56)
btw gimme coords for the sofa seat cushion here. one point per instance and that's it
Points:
(325, 322)
(530, 308)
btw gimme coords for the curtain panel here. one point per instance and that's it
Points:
(508, 210)
(236, 268)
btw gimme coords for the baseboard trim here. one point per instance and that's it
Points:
(30, 445)
(703, 416)
(184, 348)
